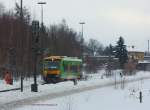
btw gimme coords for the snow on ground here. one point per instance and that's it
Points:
(17, 84)
(95, 79)
(108, 98)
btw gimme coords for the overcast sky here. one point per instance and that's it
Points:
(105, 20)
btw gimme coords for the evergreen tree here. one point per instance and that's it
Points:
(121, 52)
(25, 12)
(109, 50)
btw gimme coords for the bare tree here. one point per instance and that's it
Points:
(2, 9)
(94, 46)
(64, 38)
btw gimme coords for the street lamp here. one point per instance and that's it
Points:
(82, 23)
(42, 25)
(41, 3)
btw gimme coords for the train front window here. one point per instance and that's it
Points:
(52, 65)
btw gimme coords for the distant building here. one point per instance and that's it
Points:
(136, 55)
(143, 62)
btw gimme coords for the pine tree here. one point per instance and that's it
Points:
(121, 52)
(25, 11)
(109, 50)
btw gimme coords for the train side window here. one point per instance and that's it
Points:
(65, 67)
(74, 68)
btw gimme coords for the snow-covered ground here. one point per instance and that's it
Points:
(108, 98)
(53, 89)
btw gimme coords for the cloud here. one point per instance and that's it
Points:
(125, 16)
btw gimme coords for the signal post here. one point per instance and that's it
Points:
(35, 37)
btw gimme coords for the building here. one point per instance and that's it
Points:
(136, 55)
(143, 62)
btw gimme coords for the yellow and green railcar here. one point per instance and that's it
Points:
(60, 68)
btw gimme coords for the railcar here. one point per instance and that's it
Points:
(61, 68)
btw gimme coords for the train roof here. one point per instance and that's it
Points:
(72, 59)
(64, 58)
(54, 57)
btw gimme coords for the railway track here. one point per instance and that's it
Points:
(29, 101)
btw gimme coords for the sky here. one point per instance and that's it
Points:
(105, 20)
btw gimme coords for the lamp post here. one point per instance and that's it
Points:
(82, 23)
(42, 24)
(41, 3)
